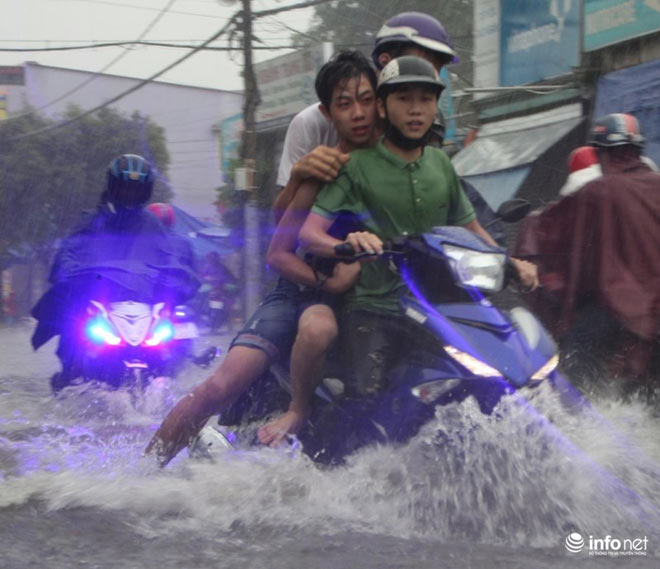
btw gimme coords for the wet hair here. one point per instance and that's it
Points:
(341, 68)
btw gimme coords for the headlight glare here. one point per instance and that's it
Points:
(474, 365)
(475, 268)
(544, 371)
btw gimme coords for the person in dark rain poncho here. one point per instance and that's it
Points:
(119, 252)
(599, 256)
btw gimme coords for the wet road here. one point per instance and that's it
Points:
(469, 491)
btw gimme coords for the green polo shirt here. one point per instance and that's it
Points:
(393, 197)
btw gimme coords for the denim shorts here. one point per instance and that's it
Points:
(273, 326)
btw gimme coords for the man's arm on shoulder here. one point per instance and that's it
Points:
(322, 163)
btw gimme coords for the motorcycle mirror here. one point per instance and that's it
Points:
(513, 210)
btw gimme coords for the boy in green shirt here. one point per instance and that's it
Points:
(398, 187)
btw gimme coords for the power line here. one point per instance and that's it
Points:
(259, 14)
(149, 27)
(134, 7)
(298, 6)
(135, 42)
(189, 46)
(233, 20)
(141, 84)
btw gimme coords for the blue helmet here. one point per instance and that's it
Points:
(414, 28)
(130, 181)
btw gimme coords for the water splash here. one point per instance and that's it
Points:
(524, 476)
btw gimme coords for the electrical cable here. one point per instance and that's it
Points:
(91, 78)
(129, 43)
(141, 84)
(134, 7)
(225, 28)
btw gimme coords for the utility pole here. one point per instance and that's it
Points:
(250, 263)
(249, 143)
(251, 269)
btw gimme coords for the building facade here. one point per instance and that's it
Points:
(543, 71)
(189, 116)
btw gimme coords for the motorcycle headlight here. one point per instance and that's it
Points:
(100, 331)
(475, 268)
(162, 333)
(545, 370)
(474, 365)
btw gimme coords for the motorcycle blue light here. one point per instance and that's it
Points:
(163, 333)
(99, 332)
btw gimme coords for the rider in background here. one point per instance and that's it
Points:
(583, 167)
(133, 249)
(119, 252)
(598, 254)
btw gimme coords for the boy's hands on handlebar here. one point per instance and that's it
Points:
(528, 274)
(322, 163)
(363, 241)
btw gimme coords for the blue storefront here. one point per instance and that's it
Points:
(538, 40)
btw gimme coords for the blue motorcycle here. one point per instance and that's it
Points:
(468, 348)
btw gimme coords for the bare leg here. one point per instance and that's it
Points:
(239, 369)
(317, 329)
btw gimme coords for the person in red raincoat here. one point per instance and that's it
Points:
(598, 252)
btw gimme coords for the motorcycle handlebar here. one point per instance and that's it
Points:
(346, 252)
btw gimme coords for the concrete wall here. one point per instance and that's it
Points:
(187, 114)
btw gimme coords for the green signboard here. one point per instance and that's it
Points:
(607, 22)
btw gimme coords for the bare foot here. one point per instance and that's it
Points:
(275, 431)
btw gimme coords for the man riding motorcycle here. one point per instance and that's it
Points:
(399, 187)
(598, 253)
(117, 253)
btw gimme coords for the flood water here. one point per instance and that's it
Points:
(468, 492)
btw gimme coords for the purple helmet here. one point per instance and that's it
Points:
(417, 28)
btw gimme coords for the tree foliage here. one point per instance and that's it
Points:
(355, 23)
(47, 179)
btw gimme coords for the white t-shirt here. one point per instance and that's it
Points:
(308, 129)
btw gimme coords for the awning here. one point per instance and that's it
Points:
(497, 187)
(204, 237)
(500, 159)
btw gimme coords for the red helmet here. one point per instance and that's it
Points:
(164, 212)
(581, 158)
